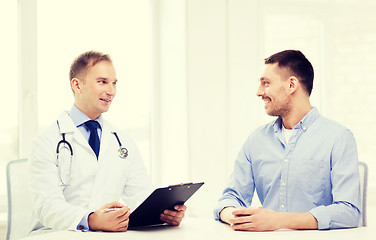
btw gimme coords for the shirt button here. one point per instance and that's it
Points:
(283, 206)
(286, 160)
(283, 183)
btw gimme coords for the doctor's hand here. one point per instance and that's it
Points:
(174, 217)
(112, 217)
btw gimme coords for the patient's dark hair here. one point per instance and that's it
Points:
(296, 65)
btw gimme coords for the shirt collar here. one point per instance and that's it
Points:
(79, 118)
(304, 124)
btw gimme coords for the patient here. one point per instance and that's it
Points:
(303, 166)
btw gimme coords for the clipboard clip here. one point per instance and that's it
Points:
(181, 184)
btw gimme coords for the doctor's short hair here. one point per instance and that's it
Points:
(296, 65)
(86, 60)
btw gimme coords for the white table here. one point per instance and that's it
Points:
(208, 229)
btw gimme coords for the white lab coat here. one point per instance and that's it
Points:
(92, 182)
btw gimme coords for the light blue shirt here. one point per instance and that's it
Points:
(79, 118)
(316, 172)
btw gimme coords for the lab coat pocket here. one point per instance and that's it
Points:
(116, 180)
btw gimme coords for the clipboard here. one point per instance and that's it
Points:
(149, 211)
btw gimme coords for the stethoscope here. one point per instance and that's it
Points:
(123, 152)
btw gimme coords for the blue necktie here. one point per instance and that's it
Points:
(93, 139)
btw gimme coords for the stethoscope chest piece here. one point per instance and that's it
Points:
(123, 152)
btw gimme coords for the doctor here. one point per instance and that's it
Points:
(85, 174)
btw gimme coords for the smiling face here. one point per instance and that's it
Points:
(274, 91)
(95, 91)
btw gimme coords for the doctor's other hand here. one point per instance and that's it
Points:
(113, 217)
(174, 217)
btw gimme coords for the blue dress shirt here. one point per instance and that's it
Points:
(316, 172)
(79, 118)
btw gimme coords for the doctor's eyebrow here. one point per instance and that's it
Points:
(105, 79)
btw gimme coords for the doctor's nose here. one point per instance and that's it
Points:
(111, 90)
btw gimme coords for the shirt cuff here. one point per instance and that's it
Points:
(223, 204)
(84, 223)
(322, 217)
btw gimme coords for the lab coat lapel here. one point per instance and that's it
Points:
(65, 123)
(106, 140)
(105, 160)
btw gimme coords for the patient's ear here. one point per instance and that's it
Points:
(293, 84)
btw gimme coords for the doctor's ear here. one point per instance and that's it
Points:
(75, 85)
